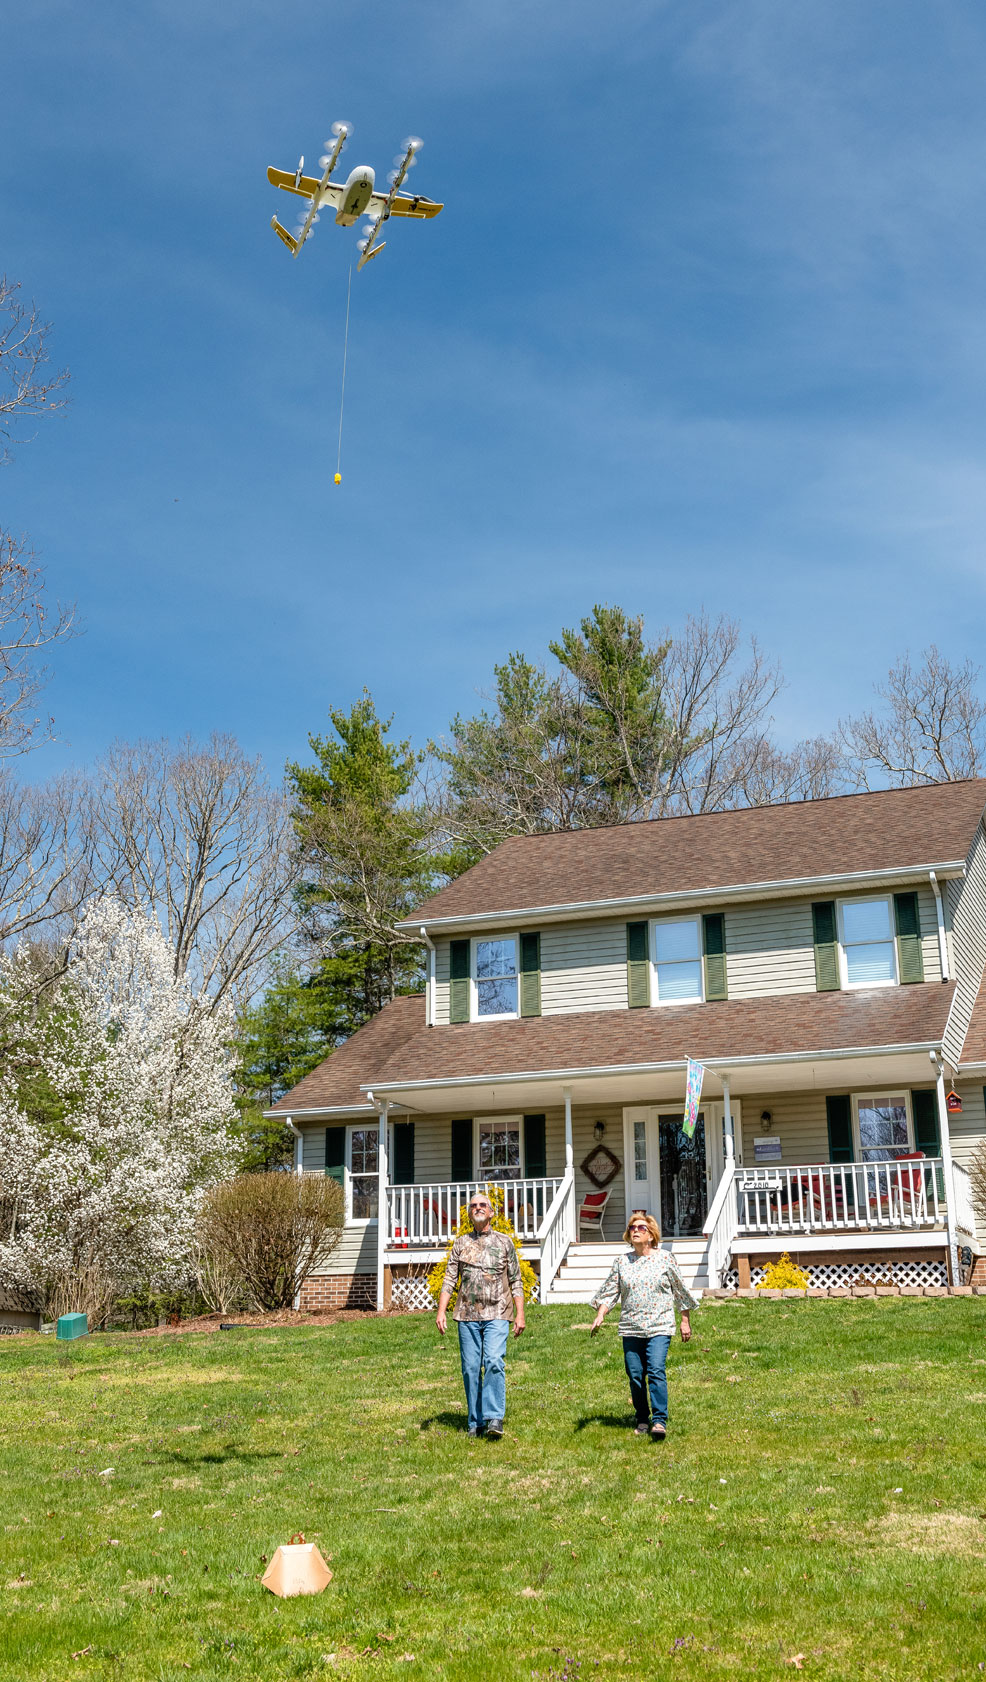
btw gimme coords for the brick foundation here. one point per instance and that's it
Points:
(339, 1290)
(977, 1275)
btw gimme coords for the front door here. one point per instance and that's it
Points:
(670, 1176)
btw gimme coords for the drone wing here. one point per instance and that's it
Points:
(402, 205)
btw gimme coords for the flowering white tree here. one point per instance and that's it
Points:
(100, 1182)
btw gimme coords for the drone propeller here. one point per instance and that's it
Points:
(341, 128)
(413, 143)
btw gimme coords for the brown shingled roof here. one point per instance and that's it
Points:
(335, 1084)
(793, 1022)
(889, 830)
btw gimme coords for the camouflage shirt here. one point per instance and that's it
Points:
(487, 1272)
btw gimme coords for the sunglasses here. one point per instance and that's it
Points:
(638, 1226)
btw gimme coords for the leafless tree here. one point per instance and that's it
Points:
(27, 629)
(812, 770)
(718, 698)
(197, 835)
(27, 389)
(45, 864)
(932, 728)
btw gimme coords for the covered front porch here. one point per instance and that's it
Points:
(781, 1159)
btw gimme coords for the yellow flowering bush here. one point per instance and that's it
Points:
(499, 1223)
(783, 1275)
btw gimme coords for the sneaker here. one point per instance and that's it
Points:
(473, 1431)
(641, 1429)
(658, 1430)
(494, 1427)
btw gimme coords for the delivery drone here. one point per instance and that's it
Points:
(352, 200)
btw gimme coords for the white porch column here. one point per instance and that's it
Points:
(383, 1112)
(946, 1152)
(727, 1122)
(569, 1145)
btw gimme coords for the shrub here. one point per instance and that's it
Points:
(270, 1230)
(783, 1275)
(499, 1223)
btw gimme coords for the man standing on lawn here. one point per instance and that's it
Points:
(484, 1265)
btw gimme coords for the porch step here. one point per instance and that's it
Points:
(586, 1265)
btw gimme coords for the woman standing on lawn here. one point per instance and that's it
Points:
(649, 1286)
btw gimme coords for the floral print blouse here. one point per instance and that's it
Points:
(650, 1288)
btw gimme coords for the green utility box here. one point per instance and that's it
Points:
(73, 1325)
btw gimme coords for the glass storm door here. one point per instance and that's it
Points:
(684, 1176)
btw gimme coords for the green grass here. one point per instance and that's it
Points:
(570, 1549)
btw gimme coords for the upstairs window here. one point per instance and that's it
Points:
(868, 952)
(496, 977)
(678, 961)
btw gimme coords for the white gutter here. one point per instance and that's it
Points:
(319, 1109)
(430, 989)
(724, 893)
(946, 1152)
(942, 941)
(672, 1065)
(299, 1146)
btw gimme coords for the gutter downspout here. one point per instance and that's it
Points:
(430, 986)
(946, 1151)
(942, 938)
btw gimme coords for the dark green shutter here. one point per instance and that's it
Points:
(638, 966)
(714, 949)
(535, 1148)
(826, 946)
(907, 921)
(403, 1167)
(924, 1109)
(462, 1150)
(530, 975)
(458, 981)
(335, 1153)
(838, 1112)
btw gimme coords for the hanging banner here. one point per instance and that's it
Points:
(693, 1092)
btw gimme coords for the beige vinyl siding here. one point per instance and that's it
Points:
(356, 1251)
(966, 901)
(797, 1118)
(313, 1148)
(441, 983)
(583, 967)
(769, 949)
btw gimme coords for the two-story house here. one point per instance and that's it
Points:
(824, 961)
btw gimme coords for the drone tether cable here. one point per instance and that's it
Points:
(345, 353)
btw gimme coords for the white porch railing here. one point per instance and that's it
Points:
(842, 1197)
(720, 1227)
(962, 1209)
(557, 1231)
(425, 1217)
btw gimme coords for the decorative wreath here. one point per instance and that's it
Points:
(601, 1166)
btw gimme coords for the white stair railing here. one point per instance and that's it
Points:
(556, 1232)
(965, 1214)
(721, 1226)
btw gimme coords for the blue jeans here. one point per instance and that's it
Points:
(482, 1346)
(644, 1359)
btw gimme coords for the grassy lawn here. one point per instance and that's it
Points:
(818, 1505)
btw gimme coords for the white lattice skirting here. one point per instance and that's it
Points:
(409, 1292)
(823, 1274)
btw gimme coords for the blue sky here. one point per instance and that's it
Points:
(702, 325)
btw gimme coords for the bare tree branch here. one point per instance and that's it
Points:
(26, 630)
(26, 388)
(932, 728)
(197, 835)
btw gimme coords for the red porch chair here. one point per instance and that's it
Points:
(591, 1211)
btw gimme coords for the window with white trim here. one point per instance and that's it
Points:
(362, 1150)
(677, 960)
(868, 953)
(499, 1147)
(883, 1126)
(495, 977)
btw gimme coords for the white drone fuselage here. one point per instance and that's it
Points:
(356, 195)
